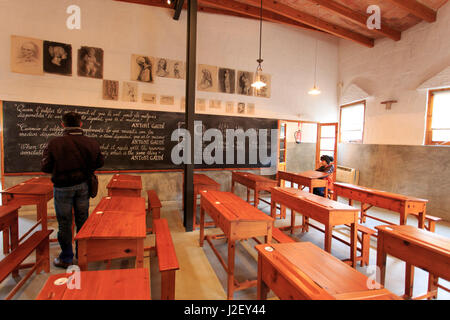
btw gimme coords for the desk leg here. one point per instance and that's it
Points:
(14, 232)
(273, 209)
(202, 225)
(421, 219)
(432, 286)
(293, 221)
(261, 288)
(256, 197)
(194, 212)
(139, 254)
(232, 186)
(328, 237)
(381, 257)
(353, 242)
(231, 253)
(363, 213)
(82, 255)
(409, 280)
(248, 194)
(42, 212)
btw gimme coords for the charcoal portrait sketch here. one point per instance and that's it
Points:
(90, 62)
(26, 55)
(110, 90)
(244, 82)
(142, 68)
(264, 91)
(177, 69)
(207, 78)
(163, 68)
(227, 80)
(241, 107)
(57, 58)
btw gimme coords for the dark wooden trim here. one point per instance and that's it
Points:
(364, 119)
(428, 130)
(417, 9)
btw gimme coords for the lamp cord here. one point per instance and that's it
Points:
(260, 32)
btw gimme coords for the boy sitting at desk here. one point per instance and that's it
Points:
(327, 167)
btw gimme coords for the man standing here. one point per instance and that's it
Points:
(70, 159)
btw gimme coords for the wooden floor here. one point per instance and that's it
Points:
(201, 277)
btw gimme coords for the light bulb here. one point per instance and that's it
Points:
(314, 91)
(258, 84)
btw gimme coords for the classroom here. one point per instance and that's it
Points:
(225, 150)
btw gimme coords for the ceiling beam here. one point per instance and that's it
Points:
(416, 9)
(245, 10)
(358, 18)
(315, 22)
(155, 3)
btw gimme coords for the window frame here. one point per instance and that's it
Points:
(428, 129)
(363, 102)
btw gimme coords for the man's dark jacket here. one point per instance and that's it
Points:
(71, 158)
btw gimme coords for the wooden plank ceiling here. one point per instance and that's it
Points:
(342, 18)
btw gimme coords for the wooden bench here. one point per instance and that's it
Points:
(167, 258)
(9, 226)
(430, 222)
(39, 242)
(280, 236)
(154, 206)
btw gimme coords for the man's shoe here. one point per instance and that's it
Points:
(60, 264)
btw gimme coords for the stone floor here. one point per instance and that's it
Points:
(201, 277)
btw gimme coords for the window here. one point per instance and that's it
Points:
(438, 117)
(352, 122)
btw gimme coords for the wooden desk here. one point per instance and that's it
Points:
(35, 191)
(303, 271)
(202, 182)
(125, 185)
(326, 211)
(417, 247)
(368, 197)
(9, 224)
(121, 284)
(311, 179)
(238, 220)
(252, 181)
(115, 229)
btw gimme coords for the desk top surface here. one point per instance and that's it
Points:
(204, 180)
(115, 218)
(323, 202)
(381, 193)
(40, 180)
(311, 174)
(304, 261)
(126, 177)
(27, 188)
(421, 237)
(116, 183)
(121, 284)
(254, 177)
(232, 207)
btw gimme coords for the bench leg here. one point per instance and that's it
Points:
(365, 249)
(5, 241)
(431, 226)
(261, 287)
(43, 256)
(432, 286)
(168, 285)
(409, 280)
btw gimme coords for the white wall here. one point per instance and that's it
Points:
(392, 71)
(122, 29)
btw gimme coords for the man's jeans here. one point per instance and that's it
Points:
(76, 197)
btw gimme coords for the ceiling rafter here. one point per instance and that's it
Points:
(315, 22)
(417, 9)
(358, 18)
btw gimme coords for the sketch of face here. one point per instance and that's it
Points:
(28, 52)
(162, 68)
(241, 107)
(176, 70)
(58, 54)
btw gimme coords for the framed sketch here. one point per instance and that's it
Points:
(57, 58)
(129, 91)
(26, 55)
(215, 104)
(207, 78)
(177, 69)
(244, 83)
(229, 107)
(167, 100)
(264, 91)
(162, 67)
(149, 98)
(250, 108)
(200, 105)
(110, 90)
(142, 68)
(241, 107)
(227, 80)
(90, 62)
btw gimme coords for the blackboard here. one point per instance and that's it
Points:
(130, 139)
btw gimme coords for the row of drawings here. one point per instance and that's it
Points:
(34, 56)
(130, 94)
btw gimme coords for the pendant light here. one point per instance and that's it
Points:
(258, 84)
(315, 90)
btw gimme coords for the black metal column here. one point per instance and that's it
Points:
(191, 57)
